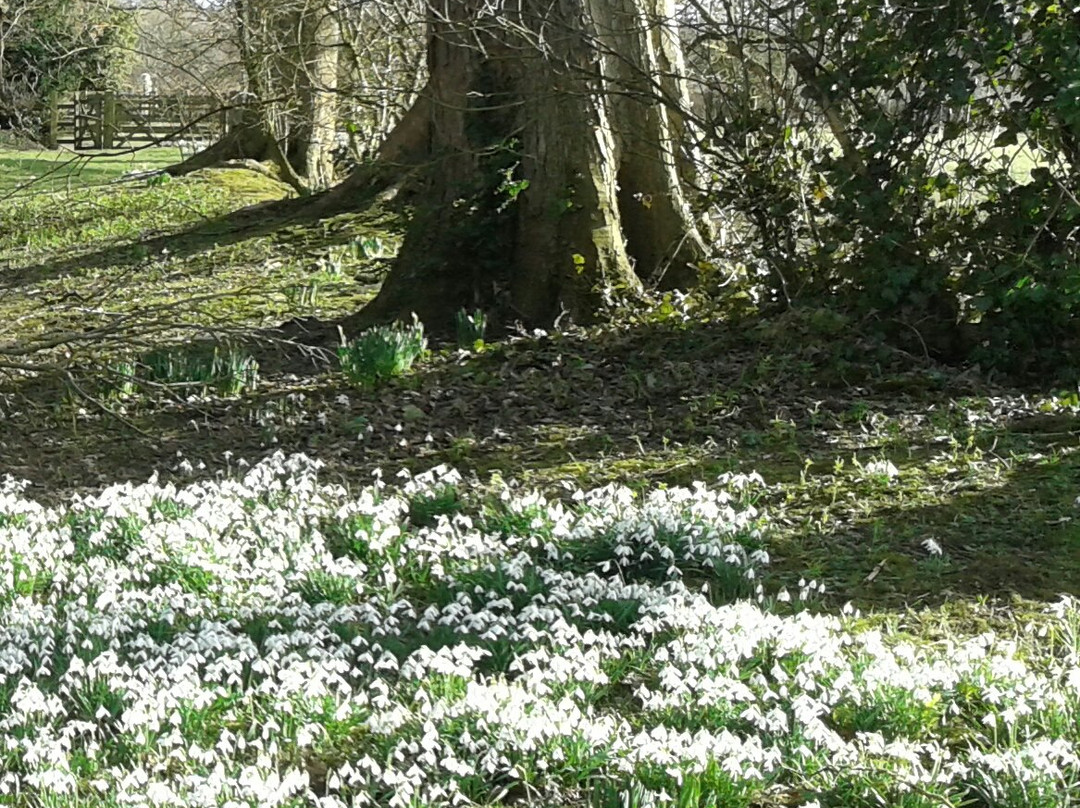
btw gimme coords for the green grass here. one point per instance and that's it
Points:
(24, 172)
(151, 260)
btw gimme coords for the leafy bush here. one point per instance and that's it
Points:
(923, 181)
(382, 352)
(58, 47)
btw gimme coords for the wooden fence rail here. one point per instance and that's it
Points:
(92, 120)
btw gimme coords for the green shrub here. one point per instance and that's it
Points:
(370, 247)
(382, 352)
(425, 509)
(936, 213)
(304, 296)
(120, 379)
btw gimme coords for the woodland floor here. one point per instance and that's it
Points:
(866, 452)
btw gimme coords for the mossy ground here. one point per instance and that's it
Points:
(867, 452)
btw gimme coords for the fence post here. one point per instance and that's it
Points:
(52, 133)
(108, 120)
(87, 121)
(96, 104)
(78, 121)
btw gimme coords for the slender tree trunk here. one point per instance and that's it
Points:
(551, 163)
(317, 73)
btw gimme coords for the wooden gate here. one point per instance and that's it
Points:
(92, 120)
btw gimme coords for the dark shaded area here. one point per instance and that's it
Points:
(1016, 538)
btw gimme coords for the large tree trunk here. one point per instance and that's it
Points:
(551, 181)
(646, 73)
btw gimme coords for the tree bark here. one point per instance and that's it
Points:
(290, 57)
(245, 141)
(550, 157)
(316, 71)
(646, 70)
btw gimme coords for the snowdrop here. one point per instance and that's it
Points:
(278, 616)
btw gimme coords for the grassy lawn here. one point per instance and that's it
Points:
(664, 561)
(25, 171)
(160, 257)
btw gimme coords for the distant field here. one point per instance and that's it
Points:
(27, 172)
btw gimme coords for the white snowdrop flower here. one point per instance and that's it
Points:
(261, 537)
(931, 545)
(1072, 678)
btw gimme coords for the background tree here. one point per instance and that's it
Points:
(186, 46)
(56, 46)
(323, 81)
(289, 54)
(383, 68)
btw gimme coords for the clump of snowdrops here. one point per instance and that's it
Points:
(274, 640)
(381, 353)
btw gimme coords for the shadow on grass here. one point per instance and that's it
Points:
(1017, 536)
(659, 404)
(245, 224)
